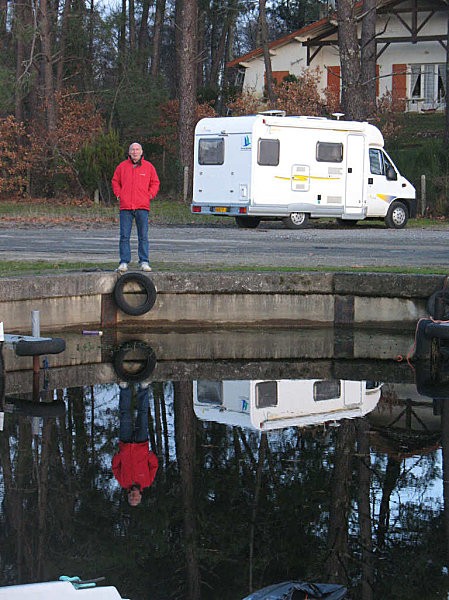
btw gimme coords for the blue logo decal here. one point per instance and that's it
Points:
(246, 143)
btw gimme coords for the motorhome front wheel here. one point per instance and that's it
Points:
(397, 215)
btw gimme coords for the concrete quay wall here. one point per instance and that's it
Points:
(221, 299)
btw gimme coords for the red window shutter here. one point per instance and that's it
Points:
(377, 81)
(333, 80)
(278, 76)
(399, 84)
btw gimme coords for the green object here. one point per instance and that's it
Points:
(77, 583)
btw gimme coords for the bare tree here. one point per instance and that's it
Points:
(263, 28)
(187, 88)
(368, 56)
(352, 99)
(47, 66)
(446, 124)
(157, 37)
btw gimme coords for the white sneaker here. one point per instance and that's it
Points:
(122, 268)
(145, 266)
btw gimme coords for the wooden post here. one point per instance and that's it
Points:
(423, 196)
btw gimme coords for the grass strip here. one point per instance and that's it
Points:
(25, 268)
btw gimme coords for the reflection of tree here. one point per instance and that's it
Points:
(364, 508)
(185, 450)
(229, 498)
(338, 551)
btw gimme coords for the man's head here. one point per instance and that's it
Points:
(134, 495)
(135, 152)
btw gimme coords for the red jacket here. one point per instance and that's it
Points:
(135, 185)
(134, 463)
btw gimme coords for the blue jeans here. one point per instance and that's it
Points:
(126, 221)
(137, 431)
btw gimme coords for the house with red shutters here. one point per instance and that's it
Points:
(411, 48)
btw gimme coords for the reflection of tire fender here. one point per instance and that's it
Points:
(37, 347)
(437, 302)
(438, 330)
(37, 409)
(146, 356)
(147, 287)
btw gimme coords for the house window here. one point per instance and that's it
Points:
(428, 83)
(329, 152)
(211, 151)
(268, 153)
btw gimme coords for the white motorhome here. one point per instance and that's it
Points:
(267, 405)
(270, 166)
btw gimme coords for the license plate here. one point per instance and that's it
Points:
(221, 209)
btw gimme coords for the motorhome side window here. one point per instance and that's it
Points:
(326, 389)
(211, 151)
(375, 162)
(379, 162)
(268, 153)
(329, 152)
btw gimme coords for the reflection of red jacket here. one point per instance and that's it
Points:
(134, 463)
(135, 185)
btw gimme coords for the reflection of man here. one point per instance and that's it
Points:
(134, 466)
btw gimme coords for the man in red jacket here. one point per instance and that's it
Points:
(135, 183)
(134, 466)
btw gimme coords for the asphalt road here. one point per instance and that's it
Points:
(268, 245)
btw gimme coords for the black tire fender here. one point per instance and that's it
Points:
(38, 409)
(146, 356)
(438, 303)
(438, 330)
(147, 287)
(38, 347)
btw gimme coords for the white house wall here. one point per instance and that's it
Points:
(292, 56)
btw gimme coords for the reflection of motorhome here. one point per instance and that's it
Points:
(265, 405)
(269, 166)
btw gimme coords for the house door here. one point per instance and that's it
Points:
(355, 155)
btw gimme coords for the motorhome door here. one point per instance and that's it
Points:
(355, 149)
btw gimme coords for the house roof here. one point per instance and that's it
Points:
(328, 25)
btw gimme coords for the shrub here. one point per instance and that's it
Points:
(95, 164)
(14, 157)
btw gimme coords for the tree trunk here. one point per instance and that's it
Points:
(157, 37)
(3, 19)
(185, 452)
(132, 27)
(368, 57)
(122, 39)
(351, 93)
(445, 452)
(337, 543)
(47, 69)
(187, 90)
(62, 45)
(364, 468)
(263, 28)
(142, 40)
(446, 124)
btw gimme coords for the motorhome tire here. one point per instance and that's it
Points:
(397, 215)
(145, 355)
(147, 288)
(296, 220)
(247, 222)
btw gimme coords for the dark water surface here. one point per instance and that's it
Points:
(282, 456)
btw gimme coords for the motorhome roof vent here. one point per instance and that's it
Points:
(273, 113)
